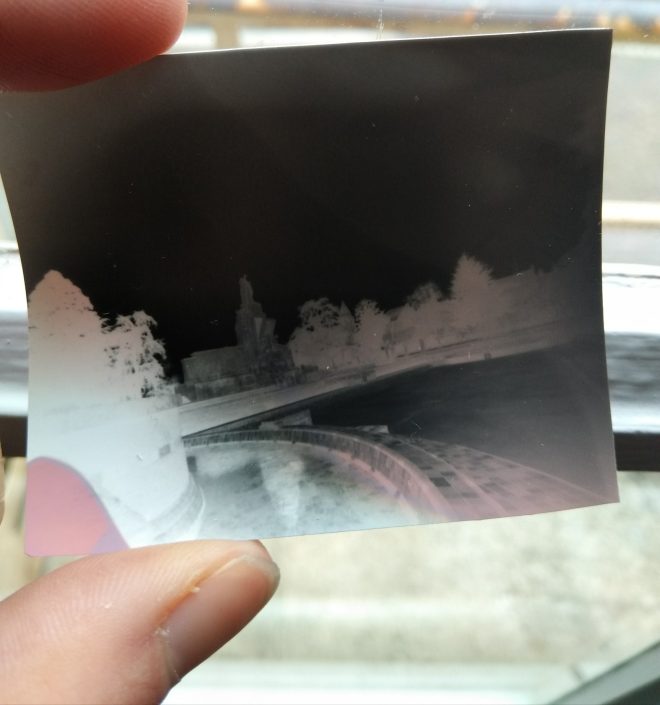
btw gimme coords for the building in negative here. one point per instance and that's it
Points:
(257, 360)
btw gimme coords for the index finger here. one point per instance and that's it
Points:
(49, 44)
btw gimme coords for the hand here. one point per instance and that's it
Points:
(120, 628)
(47, 44)
(123, 628)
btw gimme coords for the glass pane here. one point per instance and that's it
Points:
(507, 611)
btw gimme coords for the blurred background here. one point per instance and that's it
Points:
(520, 610)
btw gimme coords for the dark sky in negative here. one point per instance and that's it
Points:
(349, 172)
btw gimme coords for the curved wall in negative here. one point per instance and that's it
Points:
(396, 474)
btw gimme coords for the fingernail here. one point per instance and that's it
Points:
(217, 609)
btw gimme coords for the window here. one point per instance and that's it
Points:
(509, 611)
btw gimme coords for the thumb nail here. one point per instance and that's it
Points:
(217, 609)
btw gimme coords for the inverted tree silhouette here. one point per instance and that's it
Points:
(82, 358)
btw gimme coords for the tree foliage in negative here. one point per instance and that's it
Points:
(136, 355)
(324, 337)
(471, 279)
(82, 358)
(424, 294)
(371, 324)
(67, 356)
(474, 302)
(318, 315)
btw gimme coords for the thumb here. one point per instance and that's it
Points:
(123, 628)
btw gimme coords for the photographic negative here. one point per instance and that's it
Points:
(307, 289)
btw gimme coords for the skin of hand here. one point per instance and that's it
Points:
(118, 628)
(49, 44)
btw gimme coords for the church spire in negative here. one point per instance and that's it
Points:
(247, 294)
(257, 360)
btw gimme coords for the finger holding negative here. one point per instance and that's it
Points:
(125, 627)
(49, 44)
